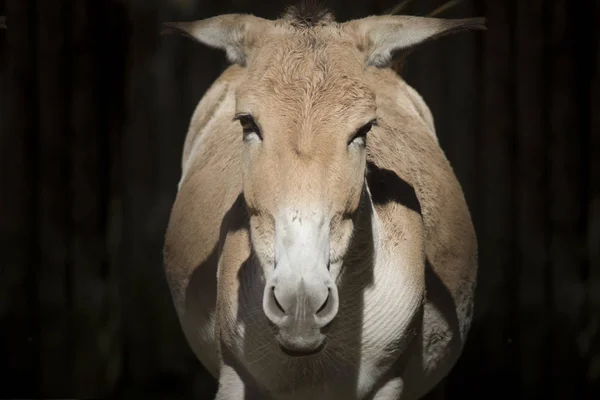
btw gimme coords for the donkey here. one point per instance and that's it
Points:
(320, 245)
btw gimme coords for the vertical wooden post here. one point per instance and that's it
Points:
(532, 260)
(497, 279)
(566, 131)
(53, 70)
(97, 85)
(19, 211)
(592, 329)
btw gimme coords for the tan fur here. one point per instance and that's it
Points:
(309, 89)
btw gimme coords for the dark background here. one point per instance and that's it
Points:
(94, 106)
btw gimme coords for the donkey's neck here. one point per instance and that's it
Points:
(381, 287)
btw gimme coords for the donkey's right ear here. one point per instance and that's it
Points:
(383, 36)
(233, 33)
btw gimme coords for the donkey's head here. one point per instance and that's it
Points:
(305, 111)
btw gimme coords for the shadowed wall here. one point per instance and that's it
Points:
(94, 107)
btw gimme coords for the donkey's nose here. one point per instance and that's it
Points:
(287, 302)
(276, 305)
(326, 308)
(308, 305)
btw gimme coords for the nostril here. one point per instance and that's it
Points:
(325, 302)
(277, 302)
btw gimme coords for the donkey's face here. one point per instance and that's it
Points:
(305, 112)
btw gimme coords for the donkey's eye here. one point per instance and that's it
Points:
(360, 136)
(249, 127)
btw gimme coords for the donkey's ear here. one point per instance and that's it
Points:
(383, 36)
(233, 33)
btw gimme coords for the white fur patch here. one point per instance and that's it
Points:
(301, 240)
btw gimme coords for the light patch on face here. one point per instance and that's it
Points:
(301, 259)
(302, 243)
(301, 293)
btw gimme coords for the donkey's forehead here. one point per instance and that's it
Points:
(320, 47)
(309, 69)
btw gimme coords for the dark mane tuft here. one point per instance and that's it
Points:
(308, 14)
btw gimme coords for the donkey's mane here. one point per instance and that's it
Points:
(308, 14)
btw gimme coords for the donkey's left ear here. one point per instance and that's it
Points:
(233, 33)
(382, 36)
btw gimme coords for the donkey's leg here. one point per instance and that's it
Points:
(232, 387)
(391, 390)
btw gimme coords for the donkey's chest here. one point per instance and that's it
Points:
(390, 322)
(356, 361)
(365, 341)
